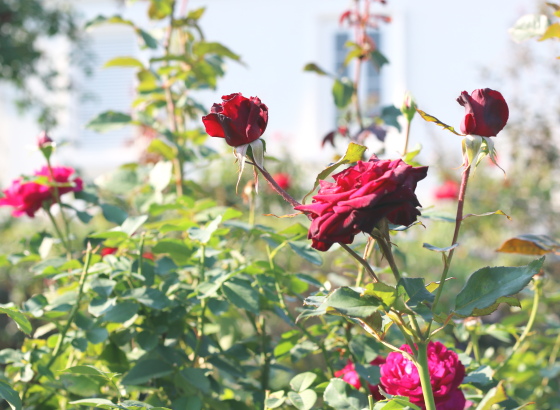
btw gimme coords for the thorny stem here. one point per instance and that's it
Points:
(360, 39)
(287, 197)
(528, 328)
(458, 220)
(361, 261)
(388, 253)
(407, 136)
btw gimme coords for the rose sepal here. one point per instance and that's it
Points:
(476, 148)
(255, 150)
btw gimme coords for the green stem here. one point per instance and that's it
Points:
(59, 232)
(528, 328)
(458, 220)
(361, 261)
(265, 358)
(367, 253)
(59, 202)
(424, 373)
(407, 135)
(475, 345)
(141, 256)
(74, 310)
(200, 318)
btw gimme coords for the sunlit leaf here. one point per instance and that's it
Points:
(354, 153)
(431, 118)
(22, 322)
(530, 245)
(123, 62)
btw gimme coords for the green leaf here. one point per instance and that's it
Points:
(528, 26)
(485, 286)
(347, 302)
(364, 348)
(304, 249)
(385, 293)
(196, 14)
(416, 291)
(203, 48)
(121, 312)
(494, 396)
(342, 91)
(315, 68)
(396, 403)
(133, 223)
(354, 153)
(302, 381)
(342, 396)
(498, 212)
(303, 400)
(10, 395)
(378, 59)
(160, 175)
(108, 20)
(480, 378)
(95, 402)
(148, 40)
(113, 213)
(390, 116)
(22, 322)
(436, 249)
(203, 235)
(197, 378)
(108, 121)
(123, 62)
(147, 370)
(157, 146)
(160, 9)
(510, 300)
(242, 294)
(431, 118)
(275, 399)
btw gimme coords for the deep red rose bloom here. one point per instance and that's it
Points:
(238, 119)
(283, 180)
(400, 377)
(449, 190)
(486, 112)
(349, 374)
(360, 197)
(29, 197)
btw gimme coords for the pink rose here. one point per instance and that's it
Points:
(360, 197)
(400, 377)
(238, 119)
(349, 374)
(486, 112)
(27, 197)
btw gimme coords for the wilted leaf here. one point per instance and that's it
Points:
(431, 118)
(530, 245)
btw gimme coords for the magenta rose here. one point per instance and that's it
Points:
(238, 119)
(486, 112)
(400, 377)
(360, 197)
(349, 374)
(27, 197)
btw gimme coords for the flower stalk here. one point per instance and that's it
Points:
(424, 373)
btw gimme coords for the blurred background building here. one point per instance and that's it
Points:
(436, 49)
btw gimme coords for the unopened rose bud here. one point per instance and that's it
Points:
(408, 107)
(43, 139)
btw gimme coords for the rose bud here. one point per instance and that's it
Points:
(43, 139)
(361, 197)
(399, 377)
(238, 119)
(486, 112)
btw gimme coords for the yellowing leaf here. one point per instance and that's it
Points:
(553, 31)
(431, 118)
(530, 245)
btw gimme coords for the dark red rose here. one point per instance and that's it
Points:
(27, 197)
(362, 196)
(400, 377)
(486, 112)
(238, 119)
(449, 190)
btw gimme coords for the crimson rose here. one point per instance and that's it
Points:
(486, 112)
(238, 119)
(400, 377)
(349, 374)
(27, 197)
(360, 197)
